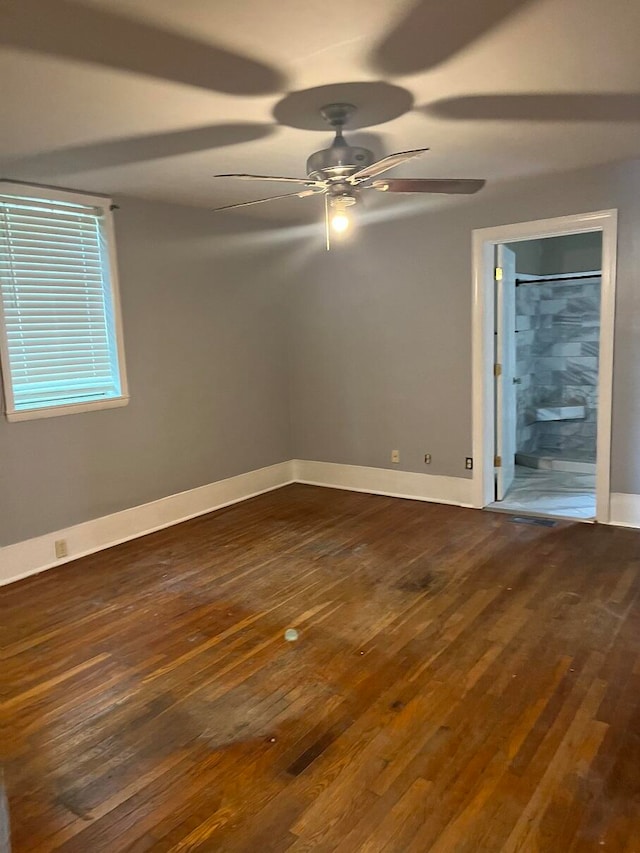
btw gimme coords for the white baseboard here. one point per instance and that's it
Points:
(384, 481)
(34, 555)
(624, 510)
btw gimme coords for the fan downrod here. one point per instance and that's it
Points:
(337, 115)
(339, 160)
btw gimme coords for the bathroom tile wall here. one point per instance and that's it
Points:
(527, 324)
(558, 326)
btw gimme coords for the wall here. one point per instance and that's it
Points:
(557, 338)
(527, 327)
(380, 331)
(557, 255)
(206, 358)
(243, 352)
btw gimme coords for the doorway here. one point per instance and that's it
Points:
(546, 375)
(543, 347)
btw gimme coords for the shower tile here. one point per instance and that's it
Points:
(546, 377)
(578, 331)
(565, 349)
(569, 290)
(553, 306)
(565, 319)
(580, 371)
(557, 360)
(526, 308)
(590, 348)
(583, 306)
(523, 322)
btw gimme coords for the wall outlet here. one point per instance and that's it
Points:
(395, 456)
(427, 459)
(468, 463)
(61, 548)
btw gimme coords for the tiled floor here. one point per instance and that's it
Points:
(558, 493)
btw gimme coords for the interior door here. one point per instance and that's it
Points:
(506, 406)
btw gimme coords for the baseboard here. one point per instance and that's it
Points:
(624, 510)
(384, 481)
(35, 555)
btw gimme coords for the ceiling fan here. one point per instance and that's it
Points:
(342, 172)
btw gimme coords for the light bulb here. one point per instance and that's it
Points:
(340, 222)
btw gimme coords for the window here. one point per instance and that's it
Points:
(60, 335)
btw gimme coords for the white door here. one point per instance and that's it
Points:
(505, 372)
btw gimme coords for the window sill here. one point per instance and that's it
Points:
(70, 409)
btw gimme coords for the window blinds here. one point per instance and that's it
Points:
(56, 304)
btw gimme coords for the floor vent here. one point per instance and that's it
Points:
(541, 522)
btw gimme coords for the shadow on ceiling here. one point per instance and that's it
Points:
(435, 30)
(377, 102)
(71, 30)
(137, 149)
(611, 106)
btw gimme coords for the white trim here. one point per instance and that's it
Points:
(35, 555)
(383, 481)
(23, 189)
(116, 305)
(68, 409)
(484, 241)
(625, 510)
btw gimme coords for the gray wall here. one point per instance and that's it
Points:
(557, 255)
(244, 351)
(206, 357)
(380, 330)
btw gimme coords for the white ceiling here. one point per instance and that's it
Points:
(127, 96)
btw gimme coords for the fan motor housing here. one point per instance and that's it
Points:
(338, 161)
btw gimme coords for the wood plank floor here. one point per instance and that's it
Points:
(460, 683)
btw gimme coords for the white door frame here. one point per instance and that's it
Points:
(483, 403)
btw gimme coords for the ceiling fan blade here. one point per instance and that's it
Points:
(605, 106)
(108, 153)
(106, 37)
(302, 194)
(450, 186)
(435, 30)
(306, 181)
(386, 163)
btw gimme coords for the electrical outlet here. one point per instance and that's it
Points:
(395, 456)
(61, 548)
(468, 463)
(427, 459)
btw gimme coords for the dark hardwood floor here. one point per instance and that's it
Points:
(460, 683)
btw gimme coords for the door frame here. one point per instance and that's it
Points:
(484, 241)
(506, 407)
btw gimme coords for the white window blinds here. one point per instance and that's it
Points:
(60, 341)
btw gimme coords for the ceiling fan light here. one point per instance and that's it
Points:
(340, 222)
(340, 219)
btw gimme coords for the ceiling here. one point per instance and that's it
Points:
(152, 97)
